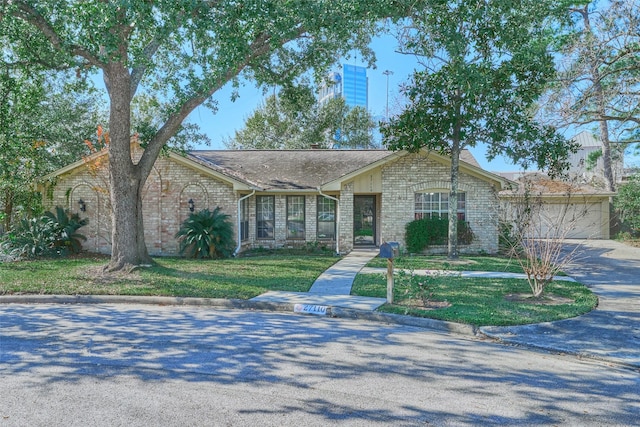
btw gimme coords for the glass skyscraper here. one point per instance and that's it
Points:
(352, 85)
(355, 86)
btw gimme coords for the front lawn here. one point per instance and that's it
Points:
(241, 278)
(480, 301)
(472, 300)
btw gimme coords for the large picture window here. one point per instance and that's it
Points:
(244, 219)
(436, 205)
(326, 218)
(295, 217)
(265, 217)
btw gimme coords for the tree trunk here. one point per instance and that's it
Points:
(606, 156)
(125, 179)
(601, 111)
(8, 209)
(453, 202)
(453, 194)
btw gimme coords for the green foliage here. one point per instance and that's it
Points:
(627, 202)
(414, 287)
(43, 121)
(294, 120)
(48, 235)
(30, 238)
(305, 248)
(486, 64)
(206, 234)
(425, 232)
(592, 159)
(67, 239)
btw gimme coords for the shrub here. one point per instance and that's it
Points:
(425, 232)
(415, 287)
(66, 238)
(51, 234)
(206, 234)
(627, 202)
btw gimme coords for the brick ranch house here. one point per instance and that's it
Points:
(285, 198)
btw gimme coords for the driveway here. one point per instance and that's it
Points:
(611, 331)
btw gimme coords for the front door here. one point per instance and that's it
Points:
(364, 220)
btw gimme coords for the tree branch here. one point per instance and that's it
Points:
(31, 16)
(259, 47)
(138, 72)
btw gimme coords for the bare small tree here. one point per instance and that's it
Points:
(536, 220)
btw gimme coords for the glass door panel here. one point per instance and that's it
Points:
(364, 220)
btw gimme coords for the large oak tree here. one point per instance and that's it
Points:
(183, 52)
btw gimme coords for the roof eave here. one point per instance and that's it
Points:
(336, 184)
(238, 185)
(470, 169)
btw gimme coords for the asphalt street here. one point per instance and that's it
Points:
(136, 365)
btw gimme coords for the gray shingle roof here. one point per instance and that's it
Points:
(292, 169)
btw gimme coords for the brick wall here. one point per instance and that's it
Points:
(413, 173)
(165, 203)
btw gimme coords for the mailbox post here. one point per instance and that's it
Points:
(389, 251)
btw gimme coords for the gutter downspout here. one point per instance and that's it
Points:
(337, 218)
(235, 253)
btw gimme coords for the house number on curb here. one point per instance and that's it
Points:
(310, 309)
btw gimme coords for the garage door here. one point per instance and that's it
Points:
(584, 221)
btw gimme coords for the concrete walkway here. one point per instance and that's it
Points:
(333, 287)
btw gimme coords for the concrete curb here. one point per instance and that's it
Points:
(150, 300)
(332, 311)
(398, 319)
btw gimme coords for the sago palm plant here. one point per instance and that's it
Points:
(67, 239)
(206, 234)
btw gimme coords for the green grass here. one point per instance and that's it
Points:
(481, 302)
(241, 278)
(470, 263)
(473, 300)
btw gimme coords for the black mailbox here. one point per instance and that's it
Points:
(389, 250)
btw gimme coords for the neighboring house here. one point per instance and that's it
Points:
(580, 167)
(280, 198)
